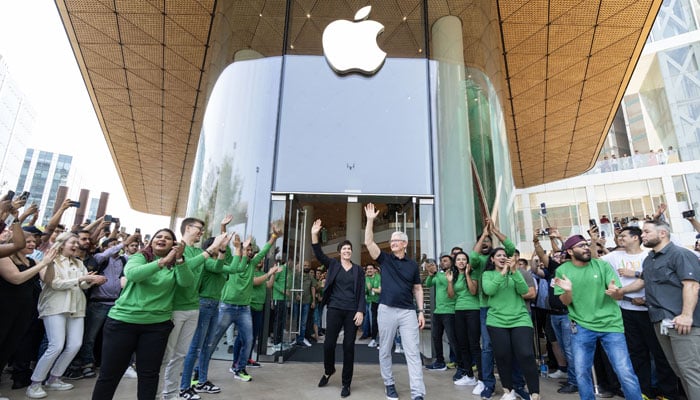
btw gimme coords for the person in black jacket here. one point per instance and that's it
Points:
(344, 295)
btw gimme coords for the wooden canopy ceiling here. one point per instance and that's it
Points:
(561, 68)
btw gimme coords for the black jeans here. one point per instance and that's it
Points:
(468, 324)
(443, 323)
(509, 342)
(335, 320)
(120, 340)
(280, 320)
(17, 315)
(641, 341)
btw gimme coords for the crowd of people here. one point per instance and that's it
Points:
(624, 316)
(612, 163)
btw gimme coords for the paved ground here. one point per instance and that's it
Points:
(298, 381)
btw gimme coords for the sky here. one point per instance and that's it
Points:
(35, 47)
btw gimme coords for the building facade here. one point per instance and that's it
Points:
(652, 151)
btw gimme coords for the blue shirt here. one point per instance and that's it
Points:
(398, 277)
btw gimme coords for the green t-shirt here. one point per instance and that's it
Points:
(444, 304)
(591, 307)
(148, 295)
(506, 306)
(464, 299)
(372, 282)
(280, 285)
(257, 298)
(478, 262)
(239, 286)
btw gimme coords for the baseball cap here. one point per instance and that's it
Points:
(32, 229)
(572, 240)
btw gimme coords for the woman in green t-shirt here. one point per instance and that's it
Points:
(140, 319)
(467, 321)
(508, 322)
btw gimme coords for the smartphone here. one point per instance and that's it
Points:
(543, 209)
(10, 195)
(602, 234)
(122, 229)
(108, 218)
(88, 221)
(106, 229)
(24, 195)
(115, 220)
(591, 222)
(689, 214)
(138, 230)
(75, 204)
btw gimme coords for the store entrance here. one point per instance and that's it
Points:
(292, 329)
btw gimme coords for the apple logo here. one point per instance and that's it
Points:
(352, 46)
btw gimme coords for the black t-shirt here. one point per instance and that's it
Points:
(23, 291)
(398, 277)
(554, 302)
(343, 296)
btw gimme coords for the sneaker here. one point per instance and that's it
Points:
(130, 373)
(372, 343)
(73, 374)
(306, 342)
(436, 366)
(58, 384)
(345, 391)
(89, 372)
(466, 381)
(568, 388)
(508, 395)
(487, 393)
(391, 393)
(458, 374)
(207, 387)
(399, 349)
(253, 364)
(35, 391)
(242, 375)
(451, 365)
(189, 394)
(479, 388)
(558, 374)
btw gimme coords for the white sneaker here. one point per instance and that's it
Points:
(478, 388)
(399, 349)
(558, 374)
(35, 391)
(372, 343)
(466, 381)
(508, 395)
(58, 384)
(130, 373)
(307, 343)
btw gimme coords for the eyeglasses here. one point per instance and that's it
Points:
(198, 227)
(582, 245)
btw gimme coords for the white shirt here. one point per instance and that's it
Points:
(621, 259)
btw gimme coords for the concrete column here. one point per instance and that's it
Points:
(453, 180)
(353, 230)
(102, 205)
(80, 212)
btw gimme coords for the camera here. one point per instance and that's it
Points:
(543, 209)
(544, 232)
(108, 218)
(689, 214)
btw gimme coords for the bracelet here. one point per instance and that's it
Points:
(209, 252)
(420, 310)
(222, 251)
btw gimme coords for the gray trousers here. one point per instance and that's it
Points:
(389, 319)
(683, 353)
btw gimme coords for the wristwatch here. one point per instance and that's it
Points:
(637, 274)
(420, 310)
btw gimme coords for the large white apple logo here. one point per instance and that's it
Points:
(352, 46)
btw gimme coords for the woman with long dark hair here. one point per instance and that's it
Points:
(139, 322)
(467, 322)
(508, 322)
(344, 296)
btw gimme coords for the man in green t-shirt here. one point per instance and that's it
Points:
(589, 288)
(373, 282)
(279, 283)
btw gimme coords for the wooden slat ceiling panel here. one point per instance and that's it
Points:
(150, 65)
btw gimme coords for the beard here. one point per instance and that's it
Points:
(583, 257)
(652, 242)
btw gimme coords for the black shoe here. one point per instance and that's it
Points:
(605, 394)
(73, 374)
(418, 398)
(19, 384)
(391, 393)
(345, 391)
(229, 350)
(324, 380)
(568, 388)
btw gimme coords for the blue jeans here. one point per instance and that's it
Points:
(302, 324)
(95, 317)
(584, 343)
(257, 317)
(204, 333)
(366, 326)
(230, 314)
(561, 324)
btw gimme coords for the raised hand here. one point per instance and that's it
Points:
(370, 211)
(448, 274)
(247, 241)
(431, 268)
(316, 227)
(276, 228)
(227, 219)
(236, 241)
